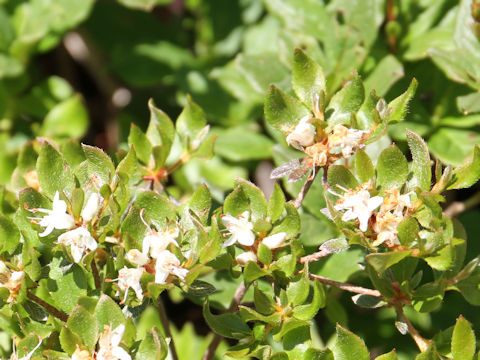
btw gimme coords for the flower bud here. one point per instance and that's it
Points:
(92, 207)
(275, 241)
(245, 257)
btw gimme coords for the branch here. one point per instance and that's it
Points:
(314, 257)
(50, 308)
(237, 298)
(346, 287)
(422, 343)
(303, 192)
(458, 207)
(166, 327)
(96, 275)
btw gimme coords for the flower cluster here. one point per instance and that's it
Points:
(154, 254)
(325, 148)
(241, 232)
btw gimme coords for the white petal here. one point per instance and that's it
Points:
(48, 230)
(161, 275)
(77, 252)
(92, 207)
(246, 238)
(245, 257)
(136, 257)
(117, 335)
(275, 241)
(121, 354)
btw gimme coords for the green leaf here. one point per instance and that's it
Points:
(100, 167)
(308, 311)
(429, 354)
(345, 102)
(54, 174)
(349, 346)
(282, 111)
(392, 355)
(107, 312)
(290, 224)
(452, 146)
(314, 354)
(253, 272)
(364, 166)
(422, 174)
(66, 287)
(236, 202)
(339, 177)
(463, 340)
(285, 264)
(9, 235)
(227, 325)
(140, 142)
(153, 346)
(382, 261)
(241, 144)
(428, 297)
(82, 323)
(392, 168)
(308, 78)
(264, 254)
(128, 165)
(398, 107)
(201, 202)
(276, 203)
(298, 289)
(386, 73)
(468, 173)
(156, 206)
(69, 340)
(190, 122)
(256, 199)
(72, 152)
(263, 303)
(201, 288)
(161, 130)
(67, 119)
(408, 231)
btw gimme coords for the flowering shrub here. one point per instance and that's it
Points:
(89, 242)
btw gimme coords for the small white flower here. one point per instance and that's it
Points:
(109, 344)
(155, 242)
(303, 135)
(11, 280)
(94, 204)
(79, 240)
(240, 229)
(358, 205)
(347, 139)
(57, 218)
(245, 257)
(136, 257)
(167, 263)
(130, 278)
(275, 241)
(386, 227)
(80, 354)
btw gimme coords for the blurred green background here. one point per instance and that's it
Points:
(85, 69)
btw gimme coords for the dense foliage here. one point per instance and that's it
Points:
(371, 123)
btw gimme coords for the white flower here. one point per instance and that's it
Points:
(11, 280)
(347, 139)
(275, 241)
(240, 229)
(130, 278)
(386, 227)
(57, 218)
(79, 240)
(155, 242)
(245, 257)
(109, 344)
(80, 354)
(358, 205)
(167, 263)
(94, 204)
(136, 257)
(303, 135)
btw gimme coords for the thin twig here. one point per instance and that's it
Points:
(96, 275)
(458, 207)
(303, 192)
(166, 327)
(315, 256)
(237, 299)
(422, 343)
(50, 308)
(346, 287)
